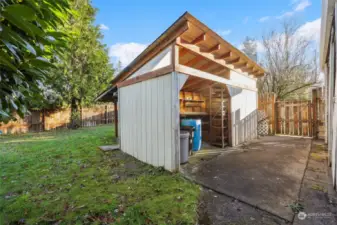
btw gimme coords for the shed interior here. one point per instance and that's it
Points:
(206, 100)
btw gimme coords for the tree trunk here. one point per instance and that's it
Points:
(74, 114)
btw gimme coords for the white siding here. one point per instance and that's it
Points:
(161, 60)
(243, 110)
(148, 121)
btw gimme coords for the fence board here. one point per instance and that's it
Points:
(42, 120)
(300, 118)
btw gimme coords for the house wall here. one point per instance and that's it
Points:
(149, 121)
(164, 58)
(243, 109)
(328, 63)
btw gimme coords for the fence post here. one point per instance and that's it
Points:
(106, 114)
(273, 112)
(43, 120)
(314, 109)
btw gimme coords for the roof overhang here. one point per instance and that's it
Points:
(185, 24)
(108, 95)
(328, 8)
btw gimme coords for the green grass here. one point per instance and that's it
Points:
(62, 178)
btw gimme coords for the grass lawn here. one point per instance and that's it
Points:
(62, 178)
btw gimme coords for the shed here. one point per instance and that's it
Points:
(188, 72)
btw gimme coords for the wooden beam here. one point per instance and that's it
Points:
(199, 39)
(191, 81)
(204, 75)
(183, 52)
(225, 55)
(198, 86)
(240, 65)
(218, 69)
(206, 66)
(233, 61)
(194, 83)
(194, 61)
(175, 56)
(255, 70)
(259, 74)
(147, 76)
(195, 49)
(248, 69)
(222, 71)
(215, 48)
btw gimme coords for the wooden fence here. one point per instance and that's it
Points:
(300, 118)
(44, 120)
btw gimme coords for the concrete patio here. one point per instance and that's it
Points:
(266, 174)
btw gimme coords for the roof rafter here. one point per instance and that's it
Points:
(225, 55)
(233, 61)
(240, 65)
(248, 68)
(199, 39)
(215, 48)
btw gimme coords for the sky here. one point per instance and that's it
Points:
(129, 26)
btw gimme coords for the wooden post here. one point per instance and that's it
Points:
(229, 111)
(210, 114)
(222, 118)
(309, 120)
(314, 110)
(106, 114)
(274, 113)
(116, 118)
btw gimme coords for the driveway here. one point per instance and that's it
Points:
(266, 174)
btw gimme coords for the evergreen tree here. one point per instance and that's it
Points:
(250, 48)
(84, 68)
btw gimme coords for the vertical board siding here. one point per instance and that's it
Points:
(243, 116)
(147, 126)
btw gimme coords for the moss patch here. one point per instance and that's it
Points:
(61, 177)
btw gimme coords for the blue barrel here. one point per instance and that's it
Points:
(196, 142)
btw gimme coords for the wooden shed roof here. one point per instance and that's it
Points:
(188, 28)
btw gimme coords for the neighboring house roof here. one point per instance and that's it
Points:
(328, 7)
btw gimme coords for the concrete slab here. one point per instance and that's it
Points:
(109, 147)
(218, 209)
(266, 174)
(314, 196)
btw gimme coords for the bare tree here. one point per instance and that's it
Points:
(290, 60)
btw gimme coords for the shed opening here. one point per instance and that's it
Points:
(209, 102)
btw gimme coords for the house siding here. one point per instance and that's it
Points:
(328, 64)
